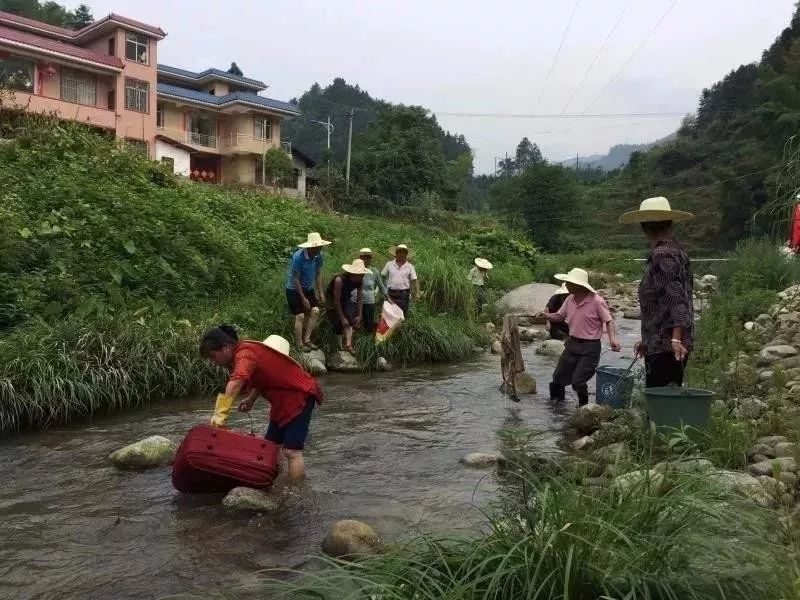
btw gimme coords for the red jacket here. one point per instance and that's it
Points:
(278, 378)
(794, 233)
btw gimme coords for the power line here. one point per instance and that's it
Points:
(642, 115)
(597, 56)
(632, 56)
(558, 52)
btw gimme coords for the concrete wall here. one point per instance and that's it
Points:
(181, 157)
(239, 169)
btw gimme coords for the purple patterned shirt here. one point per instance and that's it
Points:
(666, 297)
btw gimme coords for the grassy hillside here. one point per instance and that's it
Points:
(110, 268)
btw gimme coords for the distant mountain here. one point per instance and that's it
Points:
(617, 156)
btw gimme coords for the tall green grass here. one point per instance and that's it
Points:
(553, 538)
(447, 289)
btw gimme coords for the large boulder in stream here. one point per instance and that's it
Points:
(527, 299)
(153, 451)
(552, 348)
(245, 499)
(351, 538)
(480, 460)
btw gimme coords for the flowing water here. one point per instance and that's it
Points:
(384, 449)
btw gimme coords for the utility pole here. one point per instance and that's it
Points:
(329, 128)
(576, 162)
(349, 149)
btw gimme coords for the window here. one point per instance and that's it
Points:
(112, 46)
(136, 46)
(79, 87)
(112, 100)
(169, 162)
(160, 115)
(16, 74)
(294, 180)
(262, 128)
(137, 95)
(203, 130)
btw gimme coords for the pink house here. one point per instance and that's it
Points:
(104, 74)
(210, 125)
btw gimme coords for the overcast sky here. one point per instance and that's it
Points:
(479, 56)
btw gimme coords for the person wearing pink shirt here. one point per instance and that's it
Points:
(587, 314)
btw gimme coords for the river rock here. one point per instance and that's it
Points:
(789, 479)
(765, 375)
(153, 451)
(316, 367)
(350, 538)
(708, 282)
(772, 486)
(772, 354)
(785, 449)
(744, 484)
(552, 348)
(611, 454)
(750, 408)
(791, 362)
(526, 383)
(634, 480)
(490, 328)
(767, 467)
(761, 450)
(248, 499)
(772, 440)
(583, 443)
(343, 362)
(689, 465)
(384, 365)
(632, 312)
(528, 299)
(480, 460)
(497, 347)
(533, 334)
(587, 418)
(314, 355)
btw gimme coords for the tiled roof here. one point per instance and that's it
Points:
(46, 45)
(61, 32)
(212, 74)
(236, 97)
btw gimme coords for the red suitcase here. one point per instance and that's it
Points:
(212, 459)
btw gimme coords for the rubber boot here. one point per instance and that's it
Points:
(557, 392)
(583, 394)
(221, 410)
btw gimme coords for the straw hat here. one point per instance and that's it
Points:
(393, 250)
(576, 276)
(365, 252)
(563, 289)
(482, 263)
(314, 241)
(357, 268)
(655, 209)
(279, 344)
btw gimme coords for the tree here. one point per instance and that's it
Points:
(527, 155)
(277, 167)
(81, 17)
(506, 167)
(235, 70)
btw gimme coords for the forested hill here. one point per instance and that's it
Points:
(732, 162)
(336, 101)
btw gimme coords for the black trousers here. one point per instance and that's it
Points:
(368, 318)
(662, 370)
(577, 364)
(402, 298)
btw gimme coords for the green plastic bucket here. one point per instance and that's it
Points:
(672, 407)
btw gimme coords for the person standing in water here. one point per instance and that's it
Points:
(587, 314)
(558, 331)
(343, 313)
(260, 369)
(372, 283)
(303, 275)
(478, 276)
(400, 277)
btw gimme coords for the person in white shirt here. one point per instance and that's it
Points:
(400, 277)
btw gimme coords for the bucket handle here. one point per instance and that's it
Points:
(616, 386)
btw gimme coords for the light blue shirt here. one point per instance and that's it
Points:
(307, 268)
(372, 280)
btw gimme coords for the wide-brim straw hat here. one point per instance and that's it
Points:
(314, 241)
(482, 263)
(655, 209)
(364, 252)
(563, 289)
(279, 344)
(356, 268)
(576, 276)
(393, 250)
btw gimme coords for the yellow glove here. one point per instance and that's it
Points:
(221, 410)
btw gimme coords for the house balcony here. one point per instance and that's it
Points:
(91, 115)
(240, 143)
(198, 141)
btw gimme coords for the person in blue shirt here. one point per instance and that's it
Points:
(372, 284)
(304, 292)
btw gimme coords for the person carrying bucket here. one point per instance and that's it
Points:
(266, 370)
(587, 314)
